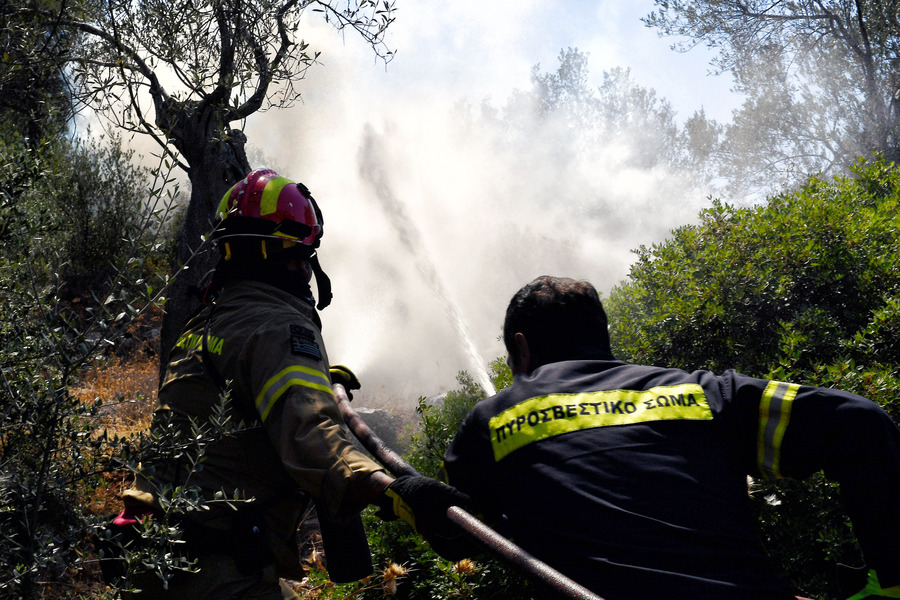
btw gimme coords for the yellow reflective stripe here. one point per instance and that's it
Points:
(222, 211)
(268, 203)
(555, 414)
(401, 508)
(296, 375)
(189, 341)
(774, 415)
(194, 341)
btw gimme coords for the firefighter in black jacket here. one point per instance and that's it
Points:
(258, 341)
(632, 480)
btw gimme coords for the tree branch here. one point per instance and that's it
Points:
(161, 100)
(264, 66)
(156, 89)
(226, 59)
(767, 16)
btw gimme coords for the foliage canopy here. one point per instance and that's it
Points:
(799, 283)
(68, 289)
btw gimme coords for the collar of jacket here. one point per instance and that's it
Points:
(276, 276)
(305, 304)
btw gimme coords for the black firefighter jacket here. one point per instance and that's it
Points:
(632, 480)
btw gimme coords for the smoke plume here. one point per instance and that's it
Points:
(435, 214)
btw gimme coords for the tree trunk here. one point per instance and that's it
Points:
(217, 161)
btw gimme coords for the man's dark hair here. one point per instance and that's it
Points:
(562, 319)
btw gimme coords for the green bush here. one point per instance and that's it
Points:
(791, 281)
(438, 424)
(52, 452)
(95, 195)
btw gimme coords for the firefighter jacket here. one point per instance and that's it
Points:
(287, 438)
(632, 480)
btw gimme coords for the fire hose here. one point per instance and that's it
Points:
(496, 543)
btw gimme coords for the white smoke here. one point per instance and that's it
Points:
(412, 192)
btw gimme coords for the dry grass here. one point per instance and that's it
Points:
(127, 390)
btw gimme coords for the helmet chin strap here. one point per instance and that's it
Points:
(322, 282)
(247, 257)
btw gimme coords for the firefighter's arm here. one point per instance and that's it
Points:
(285, 367)
(365, 491)
(469, 466)
(796, 431)
(857, 444)
(315, 448)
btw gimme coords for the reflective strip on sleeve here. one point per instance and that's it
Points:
(277, 385)
(543, 417)
(774, 415)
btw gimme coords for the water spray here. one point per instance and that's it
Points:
(373, 172)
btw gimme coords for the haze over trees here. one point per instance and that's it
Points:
(592, 160)
(589, 120)
(820, 77)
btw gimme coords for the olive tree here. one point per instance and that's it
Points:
(591, 119)
(820, 79)
(188, 74)
(33, 97)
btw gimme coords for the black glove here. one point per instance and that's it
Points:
(347, 555)
(423, 502)
(344, 376)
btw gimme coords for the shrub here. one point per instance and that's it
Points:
(52, 455)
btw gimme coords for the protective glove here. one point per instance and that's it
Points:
(344, 376)
(423, 502)
(874, 590)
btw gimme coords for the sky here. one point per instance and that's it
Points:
(429, 230)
